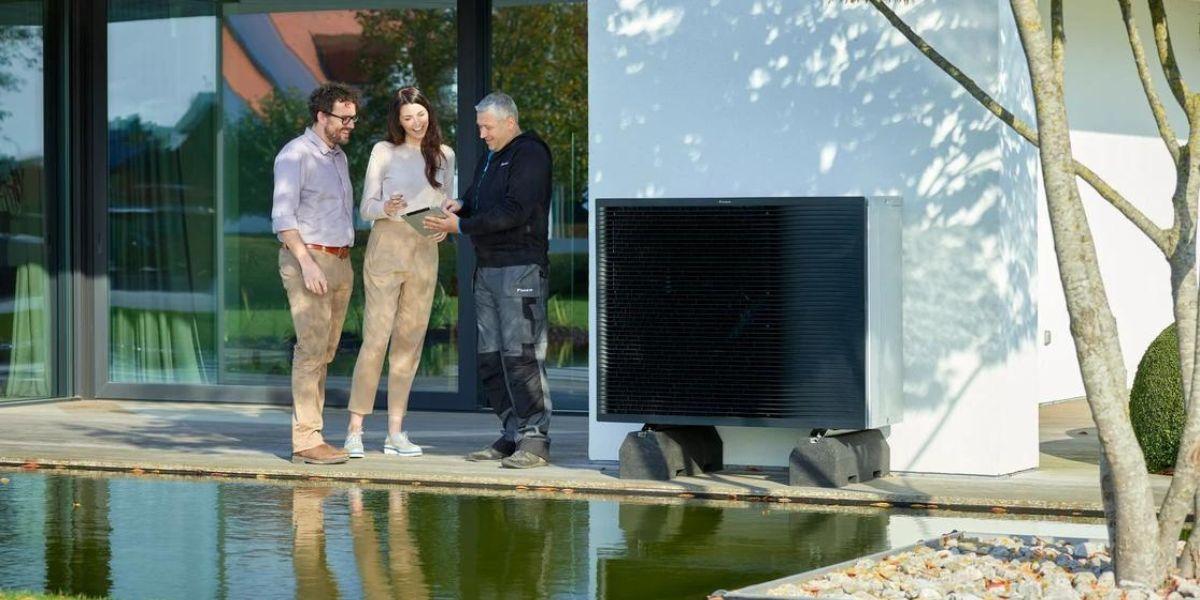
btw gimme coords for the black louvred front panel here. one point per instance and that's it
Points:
(740, 312)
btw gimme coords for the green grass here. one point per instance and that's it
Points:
(23, 595)
(258, 323)
(568, 312)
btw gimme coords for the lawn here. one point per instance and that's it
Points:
(23, 595)
(257, 323)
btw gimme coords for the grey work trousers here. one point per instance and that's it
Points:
(510, 305)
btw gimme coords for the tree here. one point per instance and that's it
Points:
(540, 59)
(22, 45)
(409, 47)
(1144, 544)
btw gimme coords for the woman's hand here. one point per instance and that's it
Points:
(394, 205)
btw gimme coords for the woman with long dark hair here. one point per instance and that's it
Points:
(411, 168)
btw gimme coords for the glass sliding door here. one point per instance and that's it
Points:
(539, 57)
(271, 58)
(26, 298)
(201, 97)
(162, 109)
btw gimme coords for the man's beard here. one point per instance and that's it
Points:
(336, 135)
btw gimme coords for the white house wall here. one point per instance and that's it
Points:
(1114, 134)
(795, 98)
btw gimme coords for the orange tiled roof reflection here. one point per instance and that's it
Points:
(240, 73)
(299, 29)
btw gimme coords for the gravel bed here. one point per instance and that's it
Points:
(975, 569)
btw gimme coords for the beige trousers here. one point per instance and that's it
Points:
(318, 323)
(399, 277)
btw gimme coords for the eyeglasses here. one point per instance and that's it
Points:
(346, 119)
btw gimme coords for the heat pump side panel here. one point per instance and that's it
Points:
(885, 323)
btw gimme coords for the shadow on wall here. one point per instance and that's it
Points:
(773, 99)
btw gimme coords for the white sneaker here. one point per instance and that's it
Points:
(398, 445)
(354, 445)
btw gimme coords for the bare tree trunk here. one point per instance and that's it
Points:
(1189, 182)
(1183, 295)
(1180, 497)
(1125, 485)
(1093, 327)
(1109, 502)
(1179, 247)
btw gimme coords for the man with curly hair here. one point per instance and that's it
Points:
(312, 213)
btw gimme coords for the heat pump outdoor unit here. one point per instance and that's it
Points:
(780, 312)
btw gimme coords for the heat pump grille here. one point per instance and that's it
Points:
(733, 313)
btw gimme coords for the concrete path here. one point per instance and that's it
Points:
(252, 441)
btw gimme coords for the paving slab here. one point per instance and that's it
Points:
(233, 440)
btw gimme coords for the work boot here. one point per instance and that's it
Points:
(499, 449)
(489, 453)
(320, 455)
(523, 459)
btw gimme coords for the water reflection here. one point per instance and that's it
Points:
(78, 555)
(144, 537)
(707, 548)
(391, 569)
(313, 576)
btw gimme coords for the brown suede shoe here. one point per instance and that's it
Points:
(320, 455)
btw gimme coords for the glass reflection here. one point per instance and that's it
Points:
(162, 110)
(270, 62)
(540, 59)
(201, 97)
(25, 302)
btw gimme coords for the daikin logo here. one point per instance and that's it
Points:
(524, 290)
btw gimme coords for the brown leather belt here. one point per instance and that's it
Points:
(338, 251)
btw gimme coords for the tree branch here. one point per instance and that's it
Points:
(1156, 234)
(1166, 52)
(1143, 69)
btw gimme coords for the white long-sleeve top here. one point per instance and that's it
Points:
(400, 169)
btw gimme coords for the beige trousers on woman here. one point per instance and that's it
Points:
(399, 276)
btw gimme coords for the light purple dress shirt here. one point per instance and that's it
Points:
(313, 194)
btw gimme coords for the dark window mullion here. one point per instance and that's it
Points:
(474, 81)
(88, 100)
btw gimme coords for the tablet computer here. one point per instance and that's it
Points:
(416, 218)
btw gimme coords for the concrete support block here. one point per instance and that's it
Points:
(838, 460)
(663, 453)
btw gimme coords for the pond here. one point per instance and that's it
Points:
(152, 537)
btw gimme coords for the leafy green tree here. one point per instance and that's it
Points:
(540, 59)
(255, 140)
(408, 47)
(19, 45)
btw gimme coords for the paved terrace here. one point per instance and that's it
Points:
(252, 441)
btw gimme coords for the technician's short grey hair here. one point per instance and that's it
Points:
(500, 104)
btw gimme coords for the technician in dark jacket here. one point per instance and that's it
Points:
(506, 212)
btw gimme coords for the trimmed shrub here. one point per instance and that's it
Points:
(1156, 402)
